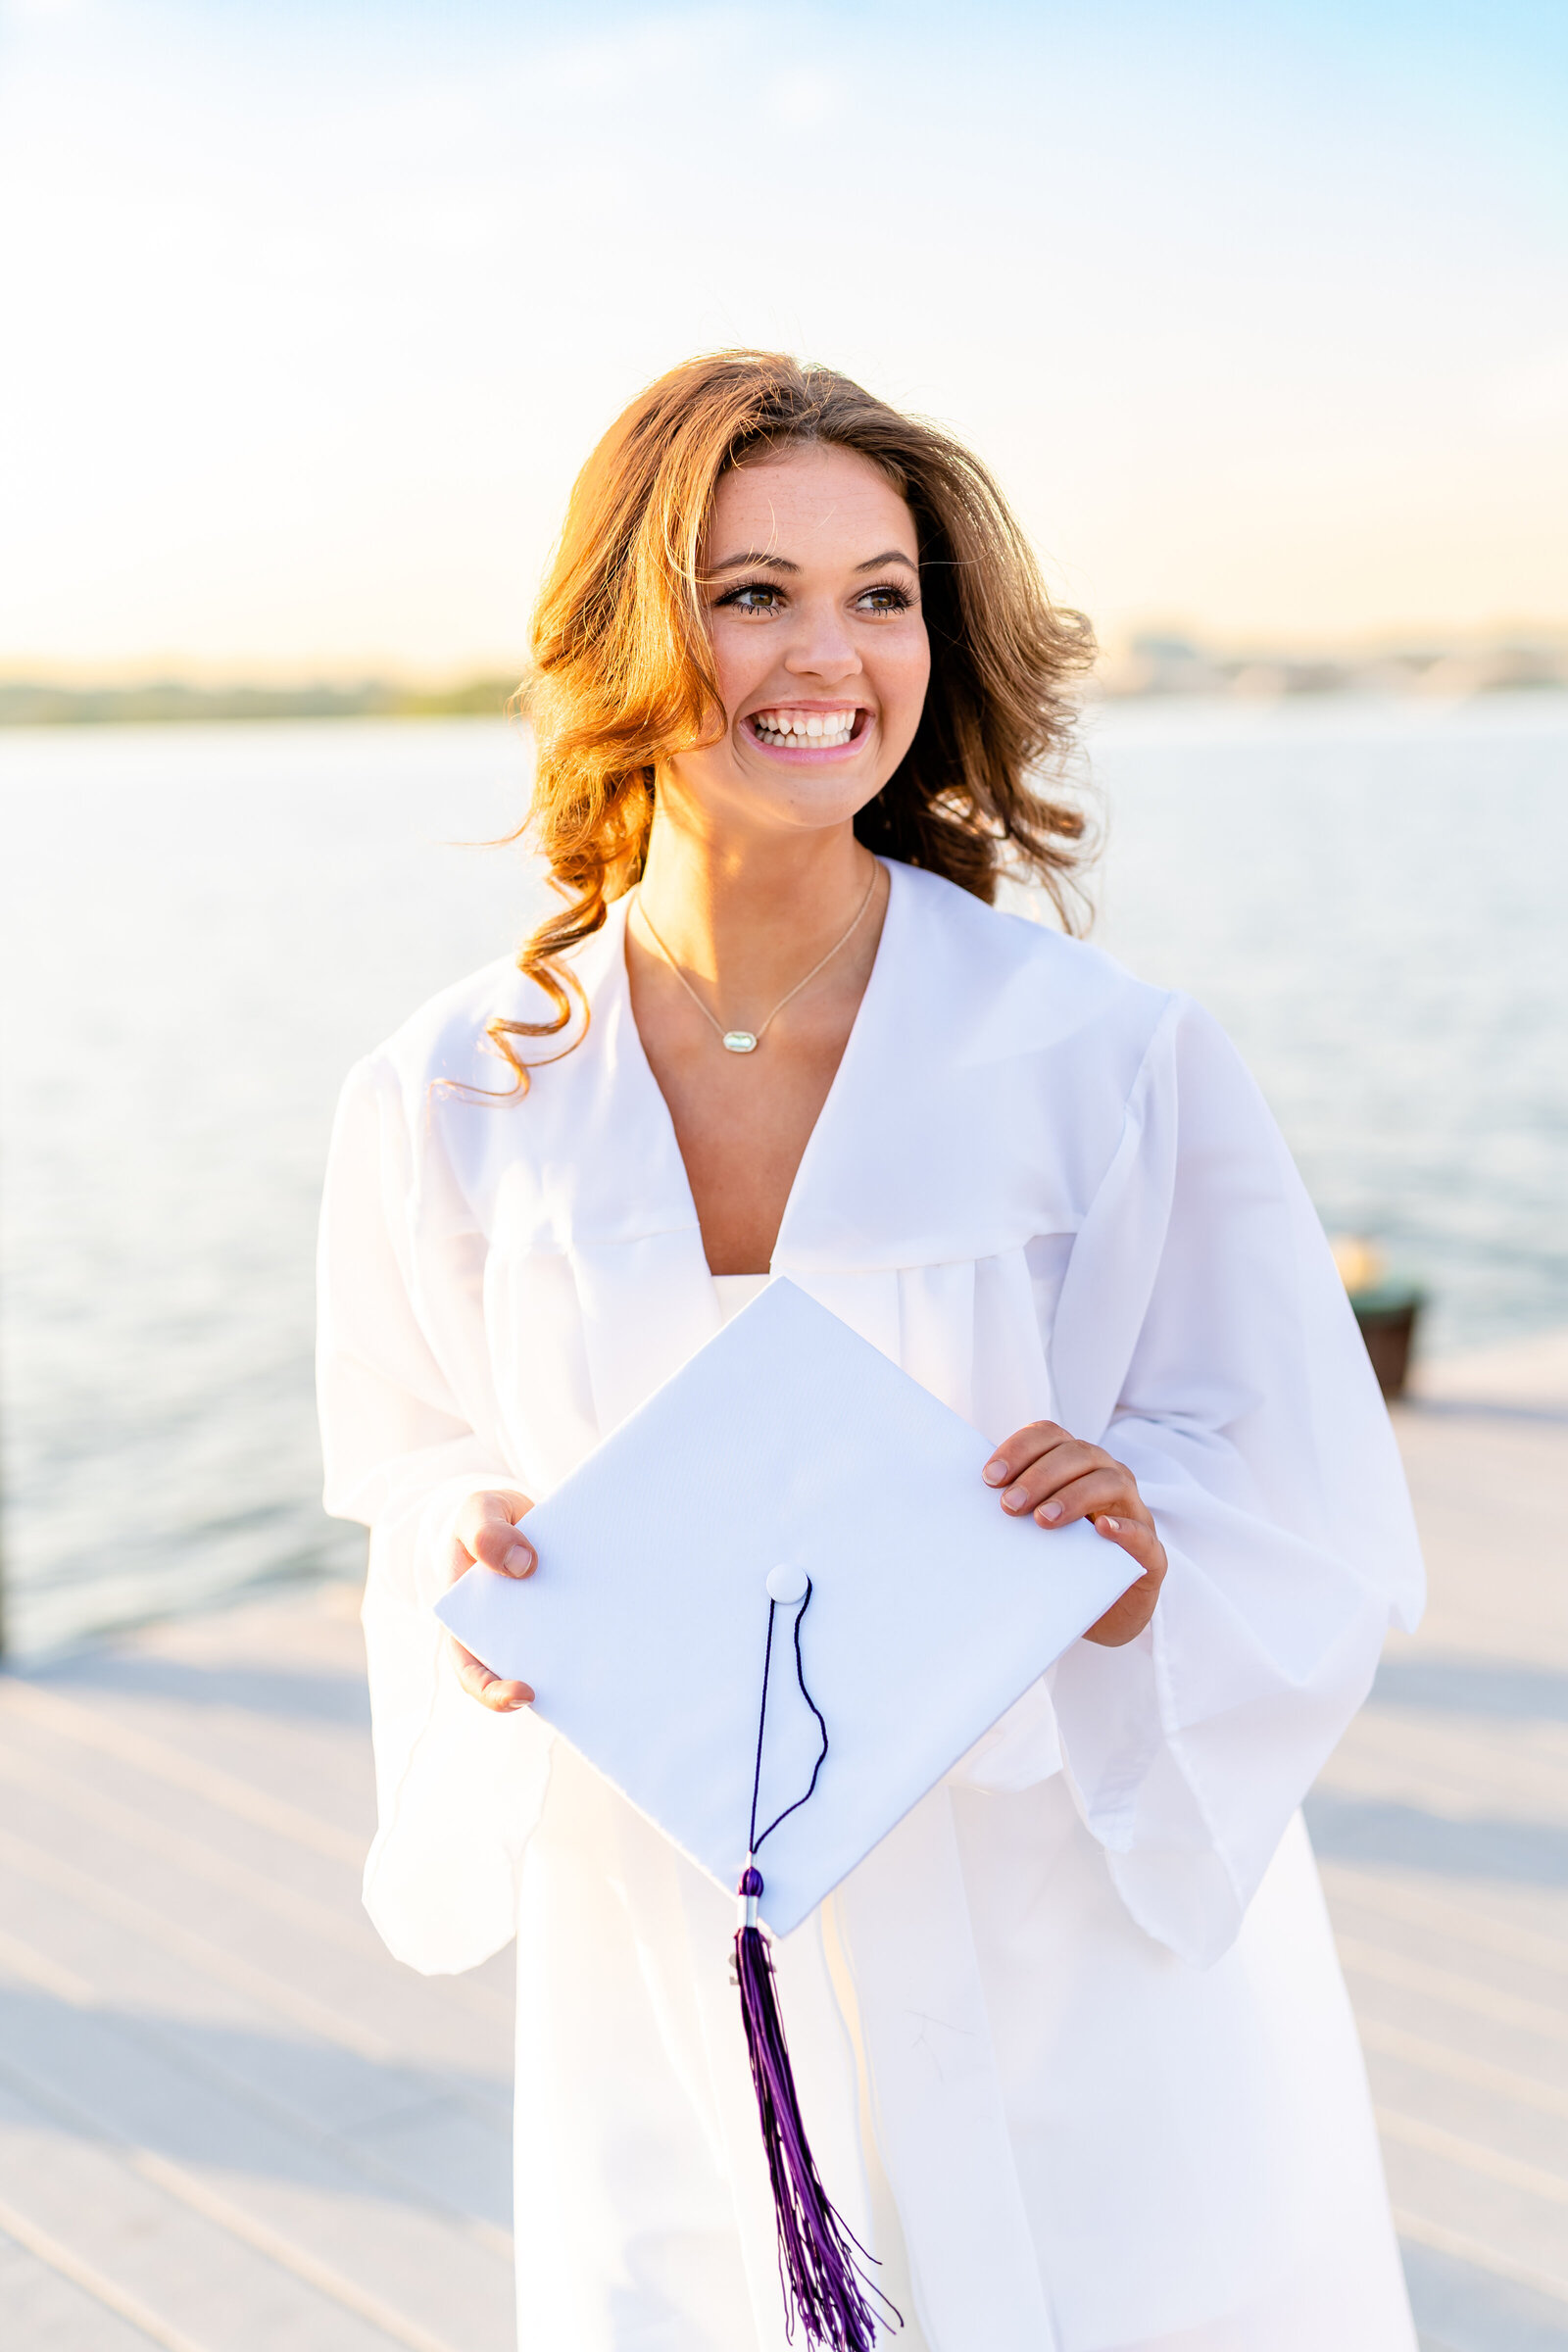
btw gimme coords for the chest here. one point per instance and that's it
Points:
(741, 1121)
(742, 1132)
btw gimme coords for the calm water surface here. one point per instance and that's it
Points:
(200, 929)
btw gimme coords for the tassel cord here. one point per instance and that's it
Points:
(753, 1842)
(821, 2263)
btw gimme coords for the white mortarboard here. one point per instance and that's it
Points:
(789, 1496)
(790, 1441)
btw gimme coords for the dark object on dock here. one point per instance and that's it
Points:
(1388, 1315)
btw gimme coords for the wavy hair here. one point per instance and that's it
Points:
(621, 677)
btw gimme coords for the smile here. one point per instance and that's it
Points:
(788, 728)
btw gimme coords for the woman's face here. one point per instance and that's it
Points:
(812, 585)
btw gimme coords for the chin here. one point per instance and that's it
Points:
(804, 810)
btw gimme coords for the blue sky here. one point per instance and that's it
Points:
(1260, 313)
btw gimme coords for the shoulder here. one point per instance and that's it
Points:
(1018, 985)
(427, 1097)
(444, 1097)
(445, 1042)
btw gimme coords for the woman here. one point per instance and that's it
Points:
(1071, 2043)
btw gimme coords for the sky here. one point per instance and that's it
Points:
(1259, 311)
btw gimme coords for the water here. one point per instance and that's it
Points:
(203, 927)
(1371, 899)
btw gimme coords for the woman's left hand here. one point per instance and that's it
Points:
(1046, 1470)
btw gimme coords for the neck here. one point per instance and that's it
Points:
(749, 918)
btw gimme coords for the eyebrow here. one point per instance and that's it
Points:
(752, 559)
(755, 560)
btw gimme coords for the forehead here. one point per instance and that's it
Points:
(811, 503)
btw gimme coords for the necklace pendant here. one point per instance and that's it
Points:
(739, 1041)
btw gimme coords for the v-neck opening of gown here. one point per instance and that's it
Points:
(808, 1149)
(735, 1291)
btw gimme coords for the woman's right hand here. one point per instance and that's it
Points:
(487, 1529)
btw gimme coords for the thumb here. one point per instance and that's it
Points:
(488, 1530)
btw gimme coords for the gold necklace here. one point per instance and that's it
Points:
(747, 1041)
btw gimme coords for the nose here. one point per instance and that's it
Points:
(821, 646)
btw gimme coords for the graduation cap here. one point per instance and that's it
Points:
(773, 1608)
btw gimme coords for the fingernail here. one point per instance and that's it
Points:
(995, 1472)
(1049, 1510)
(519, 1560)
(1114, 1525)
(1015, 1498)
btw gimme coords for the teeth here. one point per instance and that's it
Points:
(828, 730)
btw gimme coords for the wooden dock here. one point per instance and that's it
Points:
(1442, 1828)
(230, 2123)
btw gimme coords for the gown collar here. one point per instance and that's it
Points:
(908, 1163)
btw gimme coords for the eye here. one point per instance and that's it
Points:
(754, 596)
(888, 598)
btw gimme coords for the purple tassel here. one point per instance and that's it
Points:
(825, 2285)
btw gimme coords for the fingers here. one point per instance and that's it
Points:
(1069, 1481)
(1126, 1618)
(1044, 1470)
(487, 1530)
(502, 1697)
(1138, 1540)
(1025, 1446)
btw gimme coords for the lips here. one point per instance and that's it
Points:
(787, 726)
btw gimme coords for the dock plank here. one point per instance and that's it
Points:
(174, 2272)
(50, 2306)
(371, 2246)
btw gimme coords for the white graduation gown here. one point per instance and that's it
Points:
(1072, 2043)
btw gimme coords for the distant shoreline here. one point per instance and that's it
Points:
(1155, 670)
(170, 702)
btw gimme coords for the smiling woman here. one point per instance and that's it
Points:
(673, 546)
(1073, 2030)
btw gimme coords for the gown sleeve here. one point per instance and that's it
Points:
(1205, 1338)
(458, 1788)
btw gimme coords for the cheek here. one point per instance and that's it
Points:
(905, 673)
(739, 663)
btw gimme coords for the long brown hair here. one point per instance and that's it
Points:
(622, 676)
